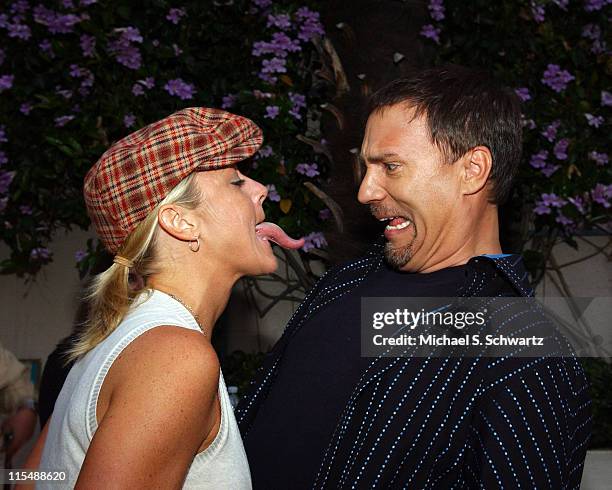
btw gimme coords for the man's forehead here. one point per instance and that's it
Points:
(391, 132)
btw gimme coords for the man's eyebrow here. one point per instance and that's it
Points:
(379, 158)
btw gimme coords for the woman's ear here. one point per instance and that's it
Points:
(177, 221)
(477, 165)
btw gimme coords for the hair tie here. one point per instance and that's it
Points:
(123, 261)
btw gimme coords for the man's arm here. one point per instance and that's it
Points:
(533, 431)
(33, 461)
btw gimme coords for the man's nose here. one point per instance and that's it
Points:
(370, 190)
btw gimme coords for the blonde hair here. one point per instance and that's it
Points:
(109, 296)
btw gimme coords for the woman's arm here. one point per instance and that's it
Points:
(161, 409)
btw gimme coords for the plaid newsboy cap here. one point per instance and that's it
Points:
(138, 171)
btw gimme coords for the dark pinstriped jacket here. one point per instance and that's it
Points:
(446, 422)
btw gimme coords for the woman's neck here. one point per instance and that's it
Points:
(206, 296)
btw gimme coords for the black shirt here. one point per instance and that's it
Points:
(321, 366)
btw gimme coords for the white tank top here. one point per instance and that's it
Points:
(222, 465)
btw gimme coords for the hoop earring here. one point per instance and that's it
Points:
(197, 244)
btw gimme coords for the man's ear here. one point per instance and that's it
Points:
(177, 222)
(477, 164)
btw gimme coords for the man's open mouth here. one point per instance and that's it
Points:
(395, 222)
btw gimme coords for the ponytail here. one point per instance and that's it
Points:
(111, 293)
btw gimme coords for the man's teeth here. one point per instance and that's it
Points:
(401, 226)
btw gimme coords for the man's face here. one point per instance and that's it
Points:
(407, 179)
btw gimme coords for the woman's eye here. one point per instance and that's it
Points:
(238, 182)
(390, 167)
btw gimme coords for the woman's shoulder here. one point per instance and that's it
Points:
(165, 357)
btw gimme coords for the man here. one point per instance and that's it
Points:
(440, 151)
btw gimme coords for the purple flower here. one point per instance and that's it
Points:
(314, 240)
(75, 71)
(601, 194)
(129, 34)
(311, 26)
(523, 94)
(579, 203)
(594, 5)
(598, 158)
(538, 12)
(560, 149)
(262, 4)
(553, 200)
(6, 82)
(5, 181)
(175, 15)
(20, 7)
(180, 89)
(25, 209)
(26, 108)
(550, 169)
(19, 31)
(228, 101)
(436, 9)
(63, 120)
(265, 151)
(299, 102)
(88, 45)
(431, 32)
(563, 220)
(538, 160)
(129, 120)
(275, 65)
(606, 98)
(56, 23)
(40, 253)
(550, 133)
(3, 138)
(129, 56)
(137, 89)
(280, 45)
(273, 195)
(591, 31)
(80, 255)
(46, 47)
(309, 170)
(272, 111)
(594, 121)
(148, 82)
(87, 3)
(124, 51)
(556, 78)
(282, 21)
(325, 214)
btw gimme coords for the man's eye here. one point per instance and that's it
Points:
(238, 182)
(390, 167)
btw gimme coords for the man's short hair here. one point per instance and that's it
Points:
(464, 108)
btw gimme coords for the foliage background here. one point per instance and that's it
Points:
(76, 76)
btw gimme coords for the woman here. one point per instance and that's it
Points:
(145, 405)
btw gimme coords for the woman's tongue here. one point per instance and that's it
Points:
(274, 233)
